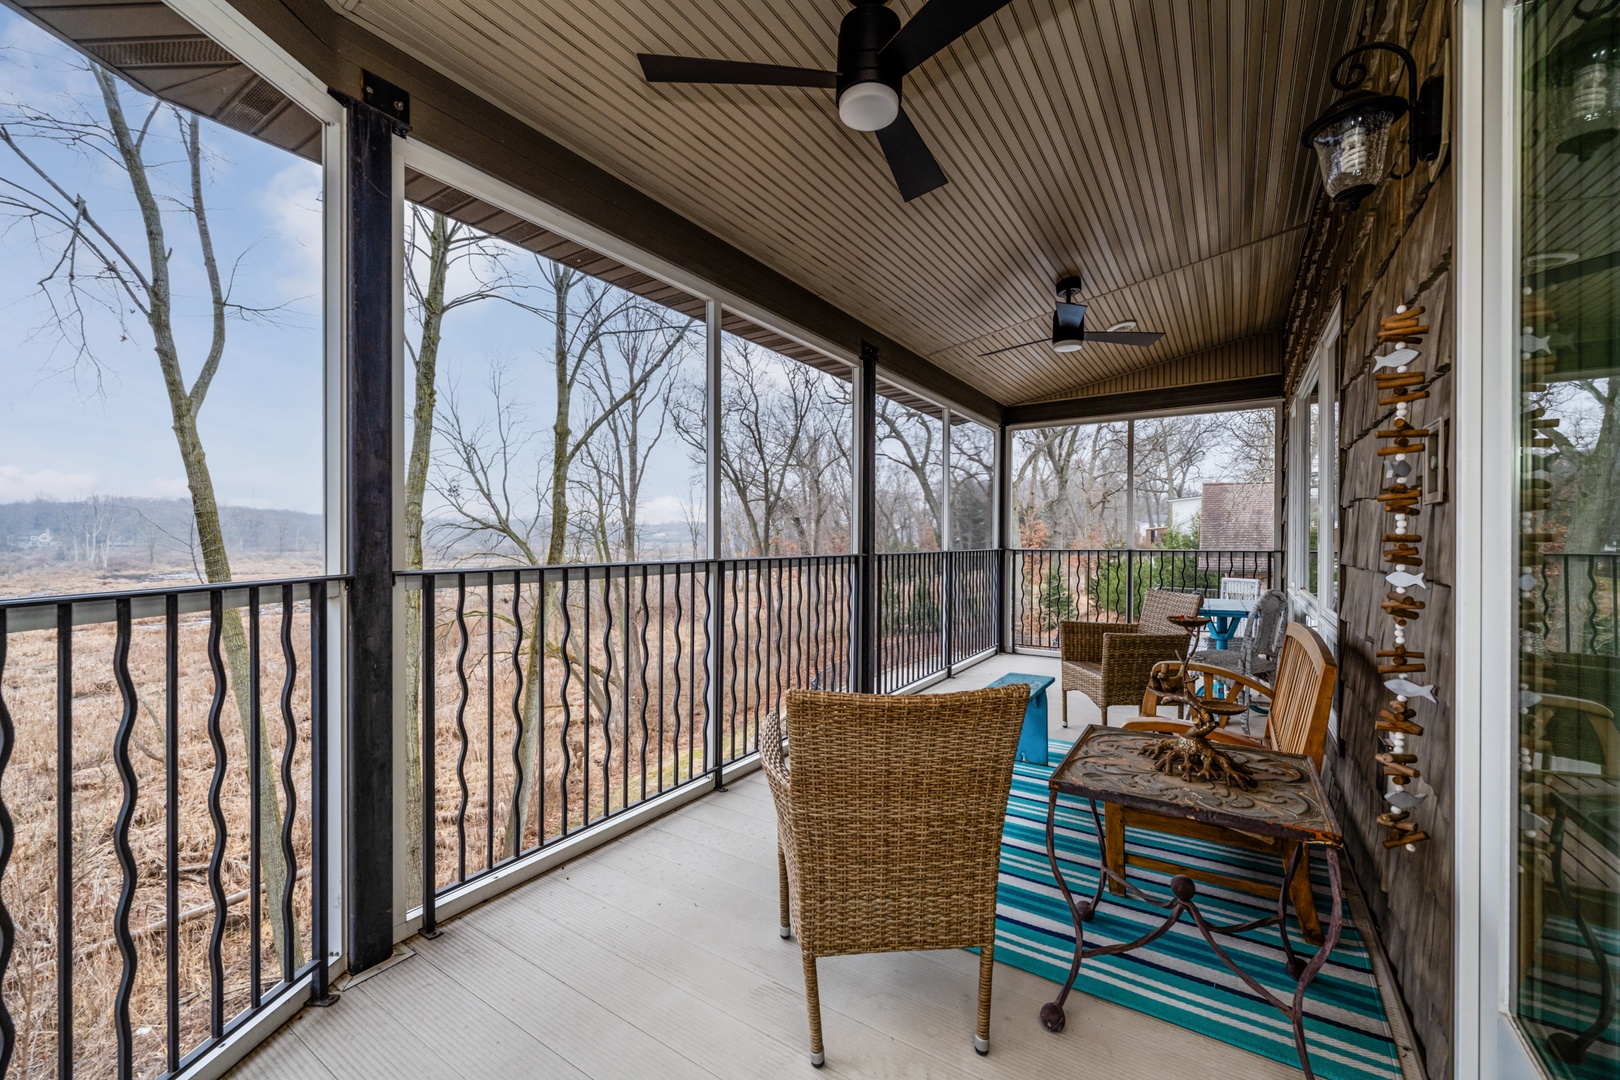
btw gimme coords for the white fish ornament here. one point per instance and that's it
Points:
(1401, 799)
(1394, 359)
(1406, 688)
(1405, 579)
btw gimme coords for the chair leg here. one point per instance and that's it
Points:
(1304, 899)
(812, 1000)
(1114, 844)
(1065, 697)
(987, 963)
(786, 929)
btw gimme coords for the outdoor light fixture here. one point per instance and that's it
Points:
(1351, 138)
(869, 106)
(1582, 73)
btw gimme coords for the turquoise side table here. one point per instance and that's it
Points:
(1032, 741)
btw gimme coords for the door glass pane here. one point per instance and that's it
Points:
(1568, 538)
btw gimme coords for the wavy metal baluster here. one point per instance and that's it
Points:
(8, 843)
(607, 691)
(540, 607)
(461, 728)
(126, 856)
(676, 750)
(783, 581)
(646, 690)
(289, 728)
(731, 719)
(713, 589)
(567, 710)
(216, 859)
(517, 714)
(585, 705)
(1591, 605)
(489, 720)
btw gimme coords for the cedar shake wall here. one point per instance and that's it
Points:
(1375, 257)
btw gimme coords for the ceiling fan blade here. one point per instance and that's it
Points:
(935, 26)
(689, 69)
(912, 163)
(1126, 337)
(1010, 348)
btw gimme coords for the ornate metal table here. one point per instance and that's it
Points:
(1106, 765)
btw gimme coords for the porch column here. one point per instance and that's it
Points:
(865, 658)
(1002, 503)
(368, 804)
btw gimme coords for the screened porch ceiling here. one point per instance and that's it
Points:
(1152, 146)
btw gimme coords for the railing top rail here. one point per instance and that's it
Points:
(529, 572)
(24, 613)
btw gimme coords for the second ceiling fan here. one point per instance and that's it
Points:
(1069, 326)
(874, 55)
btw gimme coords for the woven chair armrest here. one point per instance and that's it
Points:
(771, 754)
(1083, 641)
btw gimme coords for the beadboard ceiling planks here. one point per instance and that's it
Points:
(1151, 145)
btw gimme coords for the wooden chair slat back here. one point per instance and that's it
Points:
(1302, 695)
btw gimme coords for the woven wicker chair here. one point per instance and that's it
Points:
(888, 825)
(1255, 653)
(1110, 662)
(1301, 701)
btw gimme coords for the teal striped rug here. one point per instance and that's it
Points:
(1178, 978)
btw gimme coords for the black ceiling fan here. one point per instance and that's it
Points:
(1069, 326)
(874, 55)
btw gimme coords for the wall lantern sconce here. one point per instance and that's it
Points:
(1351, 138)
(1582, 72)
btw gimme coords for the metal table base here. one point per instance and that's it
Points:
(1181, 902)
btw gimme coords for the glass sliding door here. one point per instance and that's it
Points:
(1568, 537)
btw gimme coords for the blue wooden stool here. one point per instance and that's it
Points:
(1032, 741)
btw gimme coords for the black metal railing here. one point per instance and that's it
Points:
(935, 609)
(1107, 585)
(562, 696)
(162, 834)
(1578, 597)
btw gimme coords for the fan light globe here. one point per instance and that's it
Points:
(1066, 345)
(869, 106)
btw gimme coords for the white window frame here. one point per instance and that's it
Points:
(1321, 377)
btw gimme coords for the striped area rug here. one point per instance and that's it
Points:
(1178, 978)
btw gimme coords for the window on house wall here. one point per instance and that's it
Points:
(164, 414)
(786, 420)
(1312, 548)
(973, 448)
(1566, 577)
(910, 471)
(551, 415)
(1070, 486)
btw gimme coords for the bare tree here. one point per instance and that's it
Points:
(94, 275)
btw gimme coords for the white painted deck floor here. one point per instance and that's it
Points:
(657, 956)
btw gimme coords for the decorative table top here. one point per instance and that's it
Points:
(1106, 764)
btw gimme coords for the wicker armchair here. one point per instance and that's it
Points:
(1255, 653)
(888, 825)
(1110, 662)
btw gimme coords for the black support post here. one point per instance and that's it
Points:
(1003, 490)
(368, 811)
(865, 542)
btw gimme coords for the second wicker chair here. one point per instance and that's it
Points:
(889, 823)
(1110, 662)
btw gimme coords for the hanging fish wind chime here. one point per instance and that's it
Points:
(1400, 383)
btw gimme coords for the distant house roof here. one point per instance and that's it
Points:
(1237, 517)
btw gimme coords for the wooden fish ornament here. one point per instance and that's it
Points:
(1403, 579)
(1399, 358)
(1406, 688)
(1402, 799)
